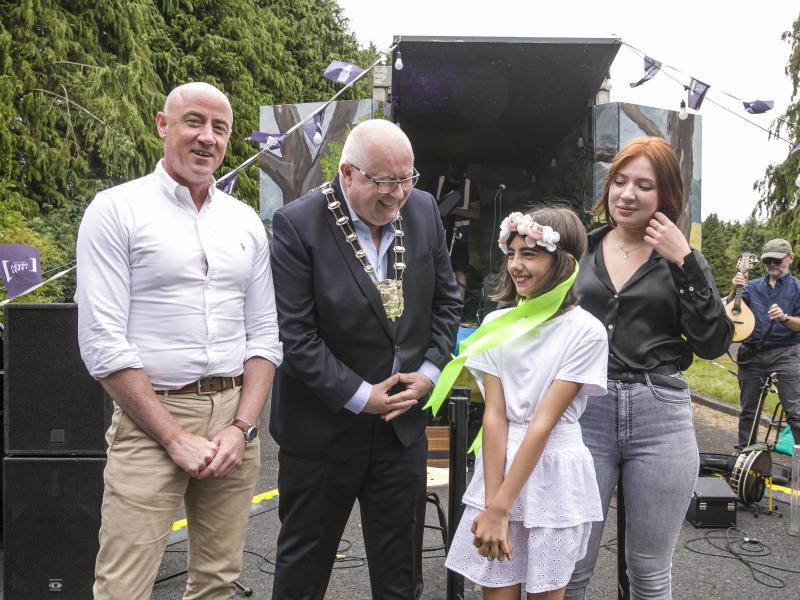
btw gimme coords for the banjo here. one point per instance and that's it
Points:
(748, 470)
(754, 462)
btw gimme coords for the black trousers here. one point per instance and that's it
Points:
(785, 361)
(315, 502)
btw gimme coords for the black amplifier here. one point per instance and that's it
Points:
(713, 504)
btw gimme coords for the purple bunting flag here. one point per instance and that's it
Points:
(697, 91)
(756, 107)
(274, 141)
(342, 72)
(20, 268)
(313, 129)
(226, 184)
(651, 67)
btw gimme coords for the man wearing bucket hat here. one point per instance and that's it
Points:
(774, 346)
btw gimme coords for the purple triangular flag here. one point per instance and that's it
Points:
(651, 67)
(313, 128)
(272, 140)
(226, 183)
(342, 72)
(20, 268)
(756, 107)
(697, 91)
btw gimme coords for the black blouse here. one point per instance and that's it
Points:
(663, 314)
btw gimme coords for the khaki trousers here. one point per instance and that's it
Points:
(143, 492)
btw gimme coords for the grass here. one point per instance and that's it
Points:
(713, 379)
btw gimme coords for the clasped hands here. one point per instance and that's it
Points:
(490, 529)
(201, 457)
(389, 406)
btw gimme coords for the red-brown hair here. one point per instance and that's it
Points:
(669, 184)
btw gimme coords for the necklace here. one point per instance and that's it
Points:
(390, 290)
(626, 253)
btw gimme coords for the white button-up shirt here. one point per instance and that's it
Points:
(181, 293)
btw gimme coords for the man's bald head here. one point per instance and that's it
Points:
(370, 140)
(195, 126)
(194, 87)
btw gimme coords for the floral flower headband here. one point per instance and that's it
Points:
(534, 234)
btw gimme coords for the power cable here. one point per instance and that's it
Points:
(736, 545)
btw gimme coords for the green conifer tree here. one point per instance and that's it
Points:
(81, 81)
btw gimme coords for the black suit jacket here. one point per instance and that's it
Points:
(335, 332)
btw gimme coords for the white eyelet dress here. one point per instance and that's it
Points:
(550, 521)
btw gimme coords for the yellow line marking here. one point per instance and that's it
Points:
(178, 525)
(257, 499)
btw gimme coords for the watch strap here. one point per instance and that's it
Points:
(242, 426)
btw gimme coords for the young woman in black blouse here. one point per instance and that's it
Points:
(658, 302)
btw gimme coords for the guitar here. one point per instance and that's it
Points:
(737, 310)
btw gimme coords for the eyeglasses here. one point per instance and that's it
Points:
(387, 186)
(772, 261)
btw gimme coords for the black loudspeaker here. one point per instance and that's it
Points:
(52, 520)
(52, 406)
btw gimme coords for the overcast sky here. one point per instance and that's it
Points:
(734, 46)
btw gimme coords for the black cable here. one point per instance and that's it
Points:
(184, 571)
(740, 547)
(342, 561)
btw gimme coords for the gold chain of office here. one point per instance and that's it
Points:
(390, 290)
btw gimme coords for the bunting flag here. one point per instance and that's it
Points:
(226, 183)
(651, 67)
(794, 150)
(313, 129)
(20, 268)
(757, 107)
(342, 72)
(697, 91)
(273, 141)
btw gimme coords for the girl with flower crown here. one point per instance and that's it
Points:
(533, 497)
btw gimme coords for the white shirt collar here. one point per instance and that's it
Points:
(175, 190)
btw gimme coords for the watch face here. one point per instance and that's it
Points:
(251, 434)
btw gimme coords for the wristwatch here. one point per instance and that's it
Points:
(785, 318)
(250, 431)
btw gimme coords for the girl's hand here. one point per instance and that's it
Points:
(490, 529)
(663, 235)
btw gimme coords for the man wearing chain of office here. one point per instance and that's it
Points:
(368, 310)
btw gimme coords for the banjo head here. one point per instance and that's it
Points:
(748, 475)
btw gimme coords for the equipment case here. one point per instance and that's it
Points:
(713, 504)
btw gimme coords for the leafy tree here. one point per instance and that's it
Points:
(81, 81)
(780, 195)
(715, 244)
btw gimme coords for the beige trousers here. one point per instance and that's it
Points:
(143, 492)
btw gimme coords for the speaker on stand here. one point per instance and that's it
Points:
(54, 421)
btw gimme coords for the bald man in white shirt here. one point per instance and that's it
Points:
(176, 318)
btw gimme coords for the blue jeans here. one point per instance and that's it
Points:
(646, 434)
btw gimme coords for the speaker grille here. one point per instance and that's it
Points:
(52, 406)
(52, 520)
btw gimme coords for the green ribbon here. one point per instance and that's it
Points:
(529, 314)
